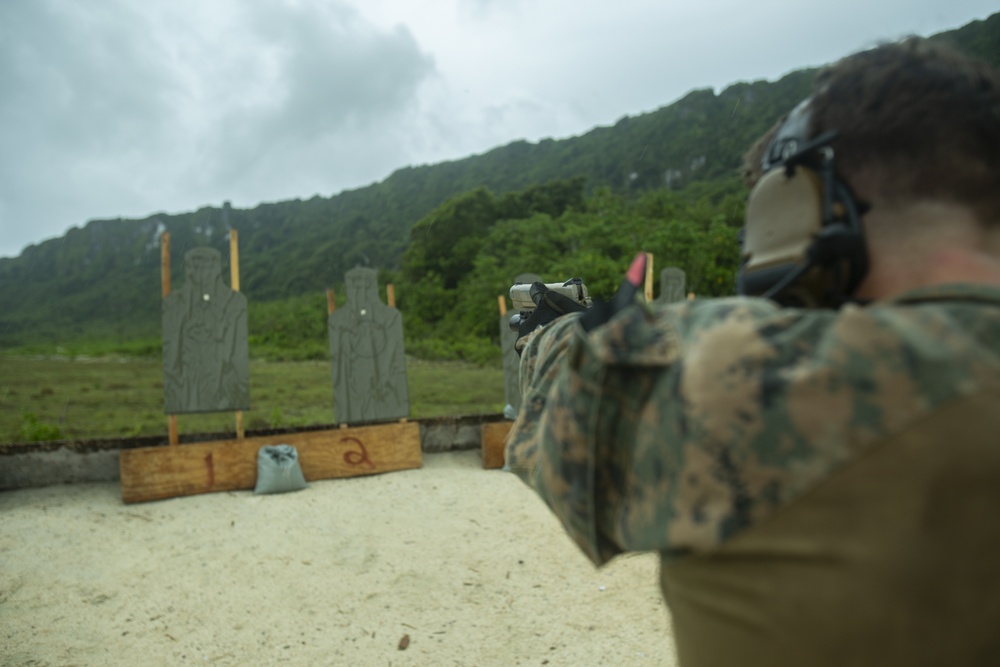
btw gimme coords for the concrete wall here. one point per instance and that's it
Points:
(44, 464)
(60, 466)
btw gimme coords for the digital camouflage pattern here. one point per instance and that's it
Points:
(675, 427)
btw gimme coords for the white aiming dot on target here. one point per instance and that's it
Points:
(205, 297)
(364, 311)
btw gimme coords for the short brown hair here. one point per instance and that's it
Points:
(915, 120)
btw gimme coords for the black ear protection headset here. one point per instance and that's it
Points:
(803, 244)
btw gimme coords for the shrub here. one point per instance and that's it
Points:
(33, 430)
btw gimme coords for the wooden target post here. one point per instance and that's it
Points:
(165, 281)
(649, 277)
(234, 278)
(390, 299)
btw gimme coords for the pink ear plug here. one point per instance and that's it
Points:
(637, 270)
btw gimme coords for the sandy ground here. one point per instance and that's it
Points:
(467, 564)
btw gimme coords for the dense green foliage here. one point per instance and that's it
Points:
(451, 282)
(450, 236)
(292, 329)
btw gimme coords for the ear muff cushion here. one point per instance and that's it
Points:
(784, 215)
(803, 231)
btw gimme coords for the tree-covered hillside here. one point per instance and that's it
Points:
(102, 280)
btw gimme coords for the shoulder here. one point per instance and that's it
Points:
(824, 383)
(730, 409)
(751, 345)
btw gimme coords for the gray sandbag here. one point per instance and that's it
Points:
(278, 470)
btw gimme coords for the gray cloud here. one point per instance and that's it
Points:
(139, 107)
(328, 76)
(125, 107)
(79, 85)
(63, 68)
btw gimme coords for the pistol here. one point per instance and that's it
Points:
(524, 296)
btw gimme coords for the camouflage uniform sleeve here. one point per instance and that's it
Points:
(564, 442)
(673, 428)
(541, 359)
(561, 475)
(605, 430)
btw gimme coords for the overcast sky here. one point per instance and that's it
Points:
(126, 108)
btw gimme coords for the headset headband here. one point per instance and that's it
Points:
(792, 133)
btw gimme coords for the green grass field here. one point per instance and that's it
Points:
(51, 398)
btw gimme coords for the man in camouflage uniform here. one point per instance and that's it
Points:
(822, 485)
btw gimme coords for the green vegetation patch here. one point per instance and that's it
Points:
(49, 398)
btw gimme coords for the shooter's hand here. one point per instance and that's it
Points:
(549, 306)
(630, 288)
